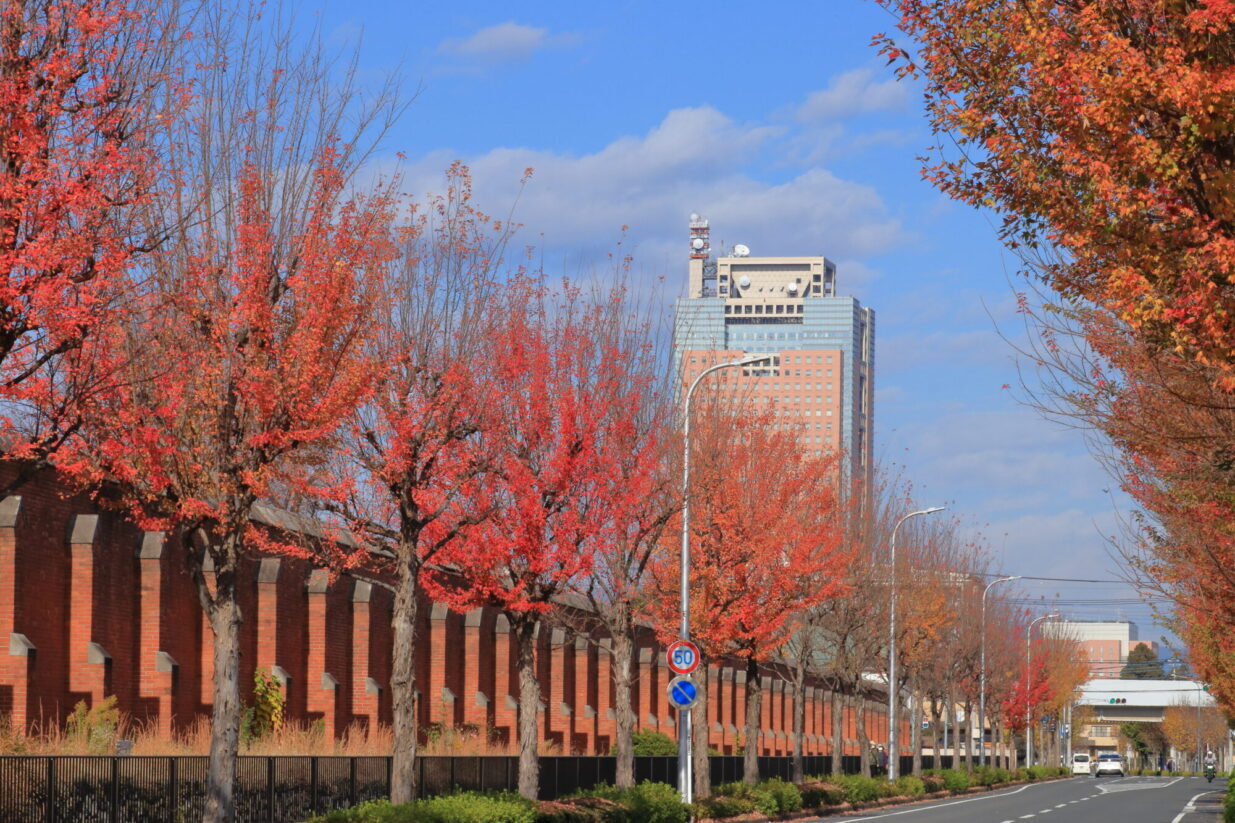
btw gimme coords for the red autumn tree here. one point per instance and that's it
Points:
(766, 546)
(1029, 692)
(246, 354)
(554, 437)
(79, 83)
(244, 367)
(416, 447)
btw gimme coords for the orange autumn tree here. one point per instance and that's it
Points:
(1100, 129)
(766, 546)
(81, 87)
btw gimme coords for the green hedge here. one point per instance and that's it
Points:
(659, 802)
(651, 743)
(1228, 804)
(465, 807)
(651, 802)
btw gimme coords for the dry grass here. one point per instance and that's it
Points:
(294, 738)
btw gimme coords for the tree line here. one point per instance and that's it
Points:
(212, 298)
(1101, 134)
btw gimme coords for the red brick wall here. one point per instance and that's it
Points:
(143, 610)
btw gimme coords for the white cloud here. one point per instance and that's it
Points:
(853, 92)
(691, 161)
(502, 43)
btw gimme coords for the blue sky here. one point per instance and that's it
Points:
(781, 125)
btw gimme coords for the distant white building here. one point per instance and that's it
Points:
(1106, 643)
(1113, 702)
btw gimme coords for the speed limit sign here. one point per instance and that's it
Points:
(683, 657)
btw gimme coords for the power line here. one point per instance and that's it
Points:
(1051, 579)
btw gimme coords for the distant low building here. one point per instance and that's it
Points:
(1113, 702)
(1106, 643)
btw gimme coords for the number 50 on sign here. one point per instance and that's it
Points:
(683, 656)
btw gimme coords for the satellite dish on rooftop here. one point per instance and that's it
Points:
(741, 251)
(744, 282)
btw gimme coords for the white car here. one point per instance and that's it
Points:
(1109, 763)
(1080, 764)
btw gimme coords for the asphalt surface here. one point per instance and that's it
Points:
(1076, 800)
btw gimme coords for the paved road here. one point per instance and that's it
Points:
(1079, 800)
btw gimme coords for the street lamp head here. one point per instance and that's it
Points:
(933, 509)
(752, 359)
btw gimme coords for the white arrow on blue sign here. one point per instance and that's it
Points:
(683, 692)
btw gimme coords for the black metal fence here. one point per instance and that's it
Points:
(104, 789)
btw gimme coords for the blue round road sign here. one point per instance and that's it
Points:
(683, 692)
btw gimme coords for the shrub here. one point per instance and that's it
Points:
(655, 803)
(910, 786)
(860, 789)
(816, 793)
(581, 810)
(651, 743)
(932, 782)
(759, 797)
(94, 727)
(787, 796)
(721, 806)
(955, 781)
(464, 807)
(990, 775)
(1039, 772)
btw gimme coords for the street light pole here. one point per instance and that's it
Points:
(982, 676)
(1028, 708)
(893, 757)
(685, 777)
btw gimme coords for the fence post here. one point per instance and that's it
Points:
(172, 795)
(114, 817)
(352, 780)
(313, 784)
(50, 815)
(270, 789)
(390, 775)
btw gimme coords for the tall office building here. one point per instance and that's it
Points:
(819, 381)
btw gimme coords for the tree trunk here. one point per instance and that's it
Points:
(403, 679)
(838, 732)
(624, 748)
(864, 743)
(699, 734)
(225, 621)
(968, 735)
(523, 626)
(754, 704)
(797, 766)
(936, 735)
(915, 729)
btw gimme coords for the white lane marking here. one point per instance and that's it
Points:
(1188, 807)
(1045, 811)
(1026, 816)
(1131, 784)
(941, 805)
(1060, 805)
